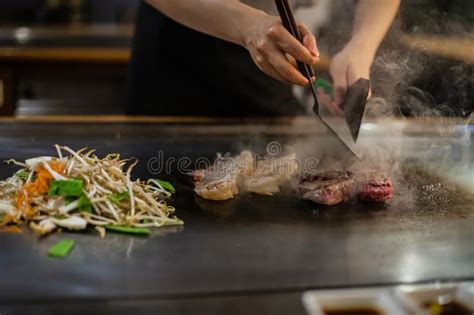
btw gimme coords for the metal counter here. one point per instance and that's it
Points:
(252, 254)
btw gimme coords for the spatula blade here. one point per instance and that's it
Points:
(334, 120)
(354, 106)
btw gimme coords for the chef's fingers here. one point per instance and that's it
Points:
(339, 97)
(336, 109)
(271, 60)
(325, 100)
(277, 75)
(309, 41)
(265, 66)
(271, 71)
(293, 62)
(340, 87)
(339, 93)
(289, 44)
(286, 69)
(340, 90)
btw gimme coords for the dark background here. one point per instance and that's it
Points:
(439, 86)
(60, 11)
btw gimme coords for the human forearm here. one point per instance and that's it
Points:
(223, 19)
(263, 35)
(372, 21)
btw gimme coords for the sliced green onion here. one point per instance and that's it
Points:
(22, 175)
(69, 200)
(118, 197)
(128, 229)
(66, 188)
(61, 249)
(84, 204)
(166, 186)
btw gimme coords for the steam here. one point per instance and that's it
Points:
(420, 113)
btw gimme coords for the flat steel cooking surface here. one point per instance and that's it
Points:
(249, 244)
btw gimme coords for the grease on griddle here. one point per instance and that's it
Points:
(451, 308)
(354, 311)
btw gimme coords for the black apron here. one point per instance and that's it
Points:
(178, 71)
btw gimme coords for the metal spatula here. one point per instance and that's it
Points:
(347, 125)
(289, 23)
(354, 105)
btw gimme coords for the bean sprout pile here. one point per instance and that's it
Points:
(76, 189)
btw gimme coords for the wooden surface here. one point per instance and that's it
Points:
(136, 119)
(71, 30)
(298, 120)
(67, 54)
(459, 48)
(103, 55)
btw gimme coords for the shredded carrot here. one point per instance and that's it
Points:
(36, 188)
(6, 219)
(11, 229)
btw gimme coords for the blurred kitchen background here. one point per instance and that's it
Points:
(71, 56)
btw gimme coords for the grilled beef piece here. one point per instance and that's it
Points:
(327, 188)
(374, 187)
(331, 188)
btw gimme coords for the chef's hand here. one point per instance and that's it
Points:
(348, 66)
(273, 49)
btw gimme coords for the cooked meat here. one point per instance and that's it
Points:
(229, 176)
(327, 188)
(220, 188)
(270, 175)
(330, 188)
(198, 176)
(374, 187)
(219, 182)
(262, 185)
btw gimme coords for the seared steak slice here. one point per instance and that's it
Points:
(330, 188)
(374, 187)
(327, 188)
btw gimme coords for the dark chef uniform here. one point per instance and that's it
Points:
(178, 71)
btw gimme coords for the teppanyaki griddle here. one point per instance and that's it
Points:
(244, 246)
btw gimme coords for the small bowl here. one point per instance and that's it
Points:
(378, 300)
(413, 297)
